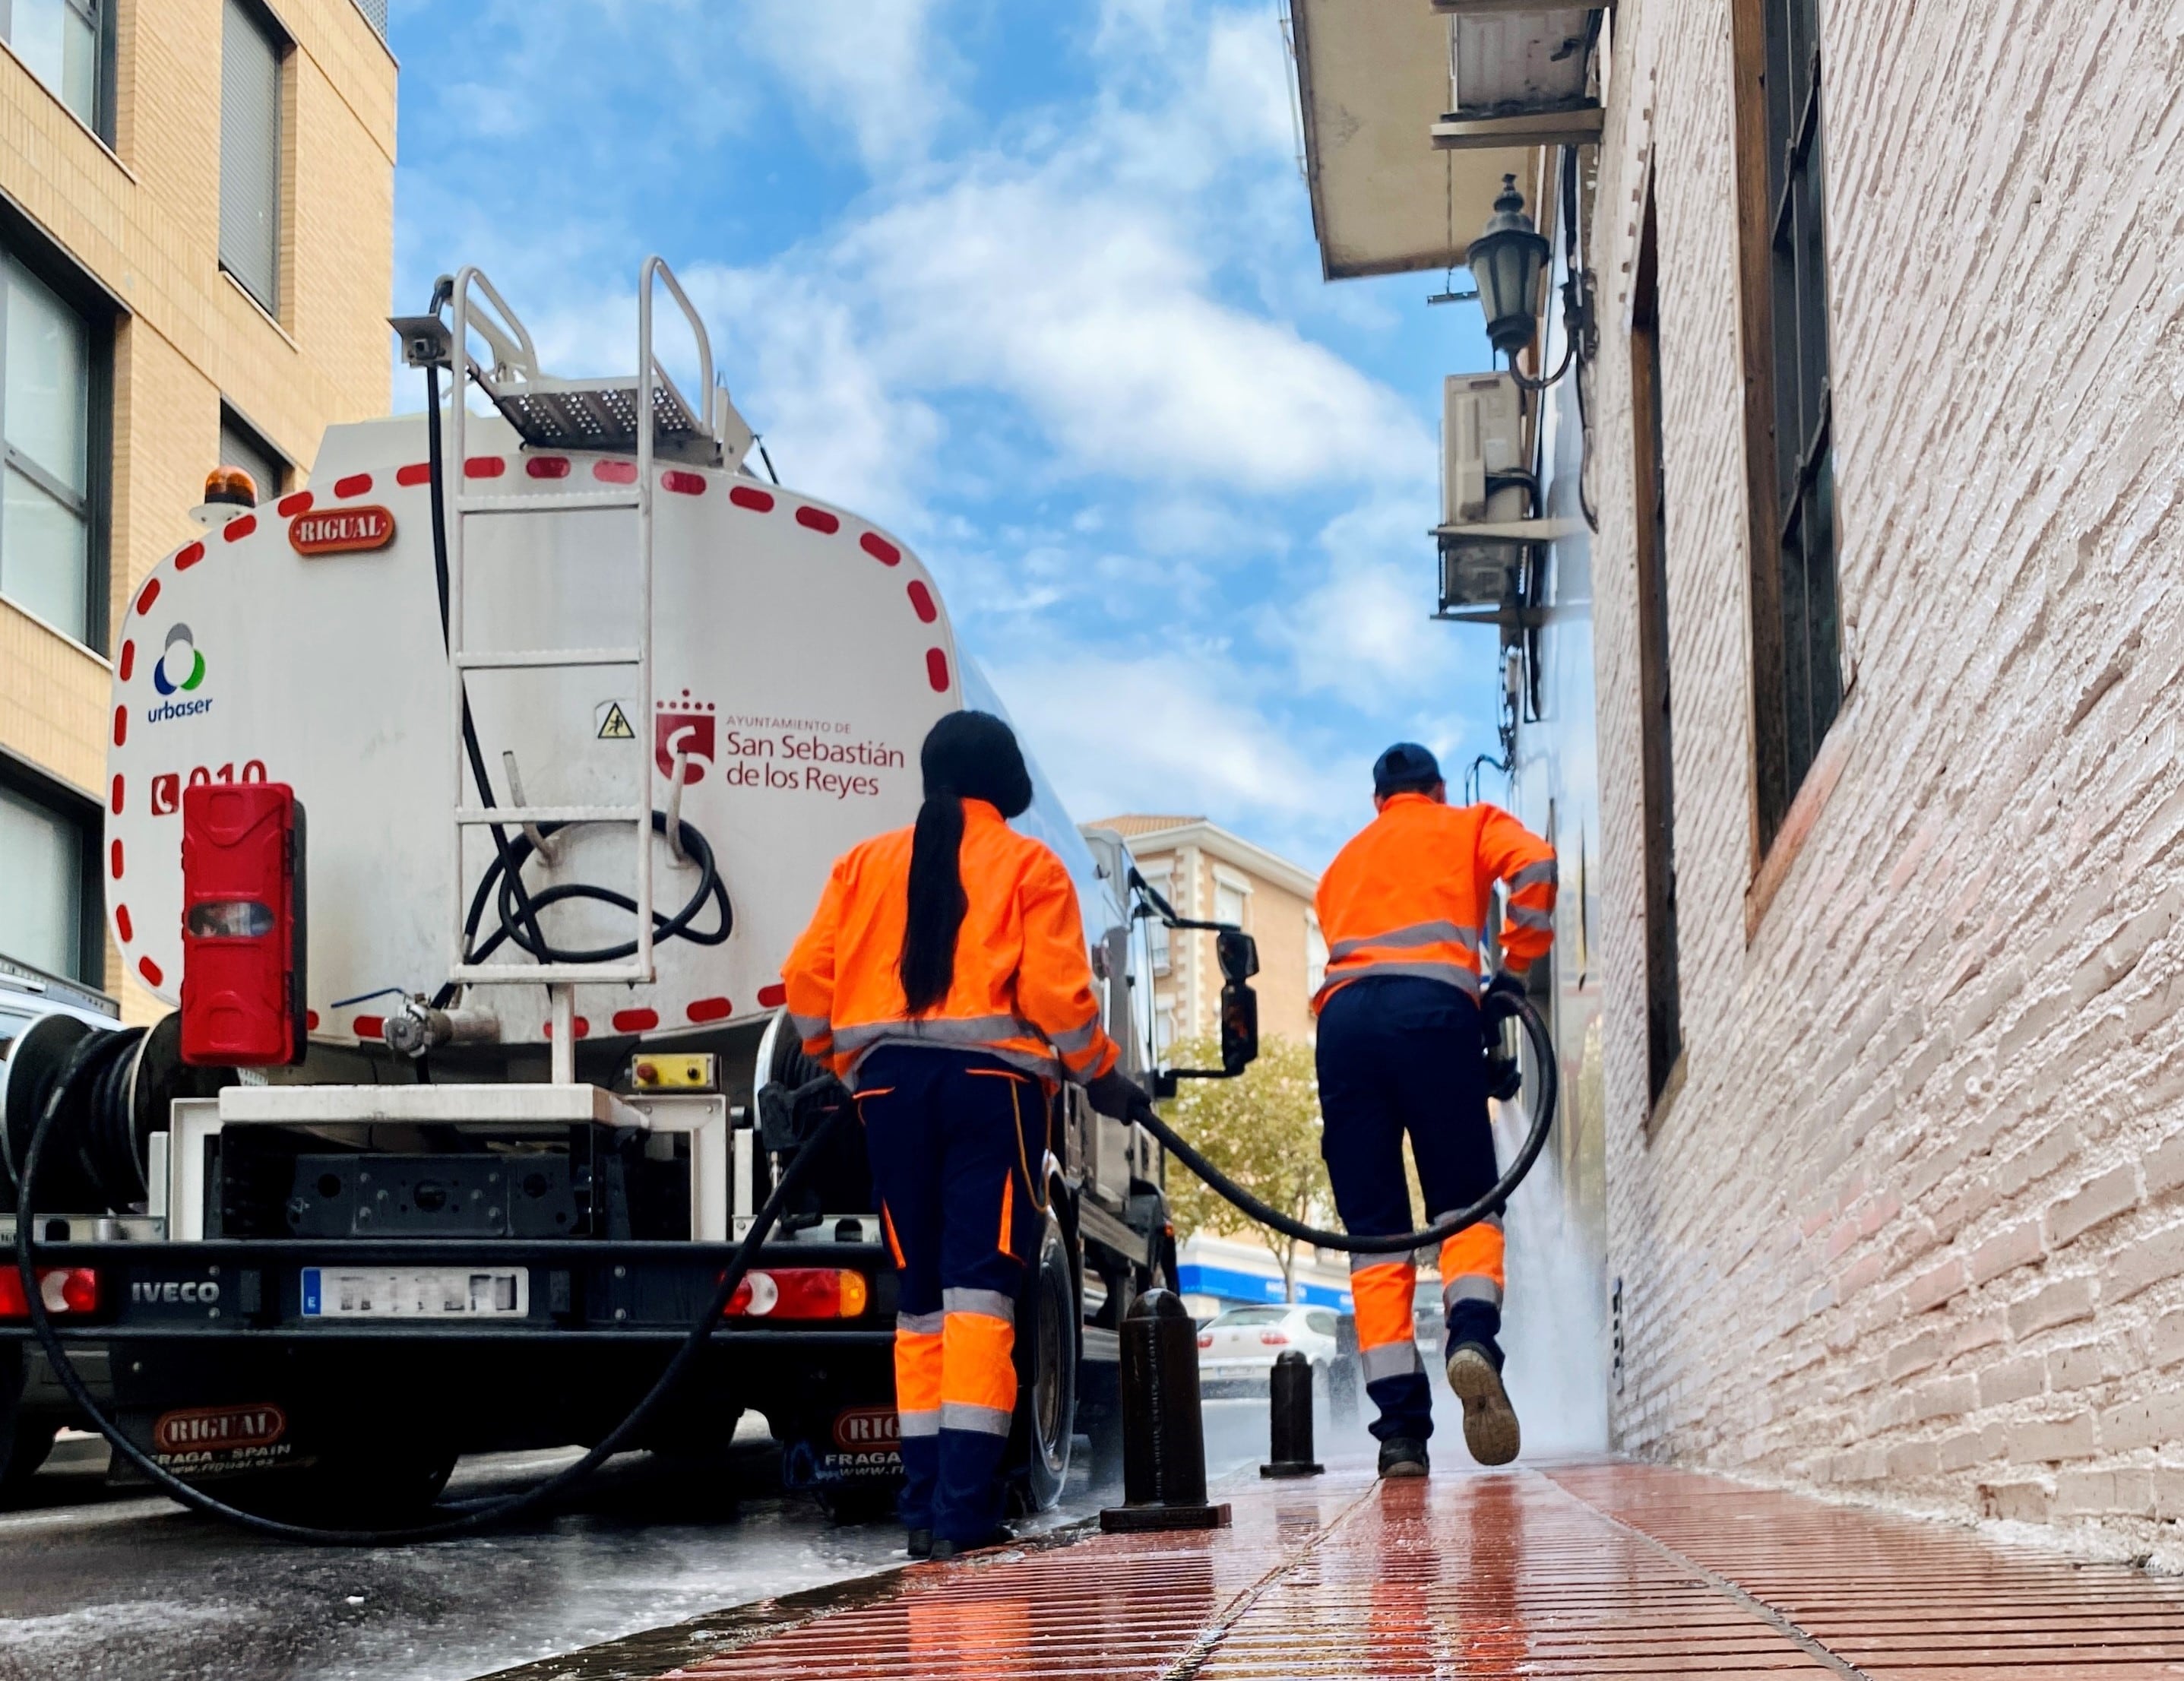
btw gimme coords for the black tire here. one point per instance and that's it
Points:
(1047, 1314)
(389, 1490)
(22, 1449)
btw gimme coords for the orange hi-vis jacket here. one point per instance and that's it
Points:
(1411, 893)
(1022, 990)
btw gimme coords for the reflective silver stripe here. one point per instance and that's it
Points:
(986, 1420)
(811, 1026)
(1076, 1038)
(1455, 974)
(1359, 1262)
(1532, 874)
(991, 1302)
(921, 1423)
(1031, 1062)
(920, 1324)
(1390, 1360)
(1471, 1287)
(1525, 917)
(977, 1030)
(1412, 934)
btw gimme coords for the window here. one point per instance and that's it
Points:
(1157, 933)
(1796, 674)
(1315, 955)
(60, 42)
(46, 550)
(49, 846)
(1664, 1032)
(241, 447)
(250, 152)
(1163, 1027)
(1232, 899)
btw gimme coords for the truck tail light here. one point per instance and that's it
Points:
(66, 1291)
(242, 925)
(800, 1293)
(1275, 1339)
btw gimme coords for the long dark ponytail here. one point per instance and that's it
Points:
(967, 755)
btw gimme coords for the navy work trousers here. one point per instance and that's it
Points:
(1402, 1055)
(956, 1139)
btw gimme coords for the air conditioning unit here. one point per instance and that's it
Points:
(1483, 482)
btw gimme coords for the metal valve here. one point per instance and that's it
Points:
(418, 1027)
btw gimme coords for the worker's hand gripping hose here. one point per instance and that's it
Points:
(1543, 1121)
(483, 1516)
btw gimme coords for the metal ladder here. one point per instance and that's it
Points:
(649, 416)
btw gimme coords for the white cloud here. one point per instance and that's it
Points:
(875, 69)
(1364, 632)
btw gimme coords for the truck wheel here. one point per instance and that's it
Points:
(1047, 1315)
(22, 1450)
(385, 1491)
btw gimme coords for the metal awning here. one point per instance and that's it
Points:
(1372, 81)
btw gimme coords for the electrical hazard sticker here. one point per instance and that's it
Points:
(613, 722)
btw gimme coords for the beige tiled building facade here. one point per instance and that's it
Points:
(1211, 876)
(196, 255)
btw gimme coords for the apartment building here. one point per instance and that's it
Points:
(196, 235)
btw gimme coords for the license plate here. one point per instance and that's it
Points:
(416, 1293)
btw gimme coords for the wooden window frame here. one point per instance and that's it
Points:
(1797, 459)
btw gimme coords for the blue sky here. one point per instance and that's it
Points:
(1034, 285)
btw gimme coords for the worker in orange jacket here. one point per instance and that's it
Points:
(1403, 1019)
(946, 979)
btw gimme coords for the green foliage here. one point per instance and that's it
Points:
(1262, 1130)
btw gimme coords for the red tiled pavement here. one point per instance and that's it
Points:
(1599, 1570)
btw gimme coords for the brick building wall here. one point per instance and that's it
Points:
(1913, 1227)
(139, 219)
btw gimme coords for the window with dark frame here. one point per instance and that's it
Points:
(67, 44)
(241, 446)
(250, 68)
(50, 914)
(1664, 1025)
(1797, 633)
(53, 444)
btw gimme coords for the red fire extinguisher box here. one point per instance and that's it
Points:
(242, 925)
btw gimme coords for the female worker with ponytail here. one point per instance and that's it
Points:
(944, 979)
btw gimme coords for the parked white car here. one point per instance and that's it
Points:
(1237, 1350)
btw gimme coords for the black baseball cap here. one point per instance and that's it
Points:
(1404, 766)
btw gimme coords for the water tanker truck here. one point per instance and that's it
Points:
(513, 751)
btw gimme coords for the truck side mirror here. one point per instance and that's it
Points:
(1239, 1024)
(1239, 956)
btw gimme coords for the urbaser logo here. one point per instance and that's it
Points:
(867, 1429)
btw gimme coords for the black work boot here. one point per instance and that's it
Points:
(1403, 1456)
(921, 1544)
(944, 1548)
(1489, 1422)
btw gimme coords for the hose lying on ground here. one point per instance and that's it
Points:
(1543, 1120)
(483, 1516)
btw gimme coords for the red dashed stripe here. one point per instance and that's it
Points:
(773, 997)
(936, 669)
(635, 1021)
(117, 796)
(417, 472)
(149, 971)
(148, 595)
(682, 483)
(369, 1026)
(818, 519)
(299, 502)
(113, 859)
(236, 530)
(356, 484)
(922, 602)
(484, 467)
(547, 466)
(751, 496)
(121, 725)
(615, 472)
(128, 659)
(121, 924)
(880, 548)
(186, 558)
(709, 1010)
(583, 1028)
(311, 1020)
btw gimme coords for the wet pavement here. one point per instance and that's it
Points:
(99, 1583)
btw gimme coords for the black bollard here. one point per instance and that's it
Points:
(1163, 1436)
(1291, 1392)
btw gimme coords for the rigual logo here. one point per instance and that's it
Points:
(181, 666)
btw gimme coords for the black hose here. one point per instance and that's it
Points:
(478, 1517)
(1448, 1225)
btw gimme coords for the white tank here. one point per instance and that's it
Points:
(800, 654)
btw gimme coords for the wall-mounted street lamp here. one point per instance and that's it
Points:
(1507, 260)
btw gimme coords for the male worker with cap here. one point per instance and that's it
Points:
(944, 977)
(1403, 1019)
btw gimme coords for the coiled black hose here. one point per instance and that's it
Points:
(503, 881)
(483, 1516)
(1543, 1121)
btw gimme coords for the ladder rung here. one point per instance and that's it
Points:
(548, 502)
(514, 816)
(547, 974)
(512, 659)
